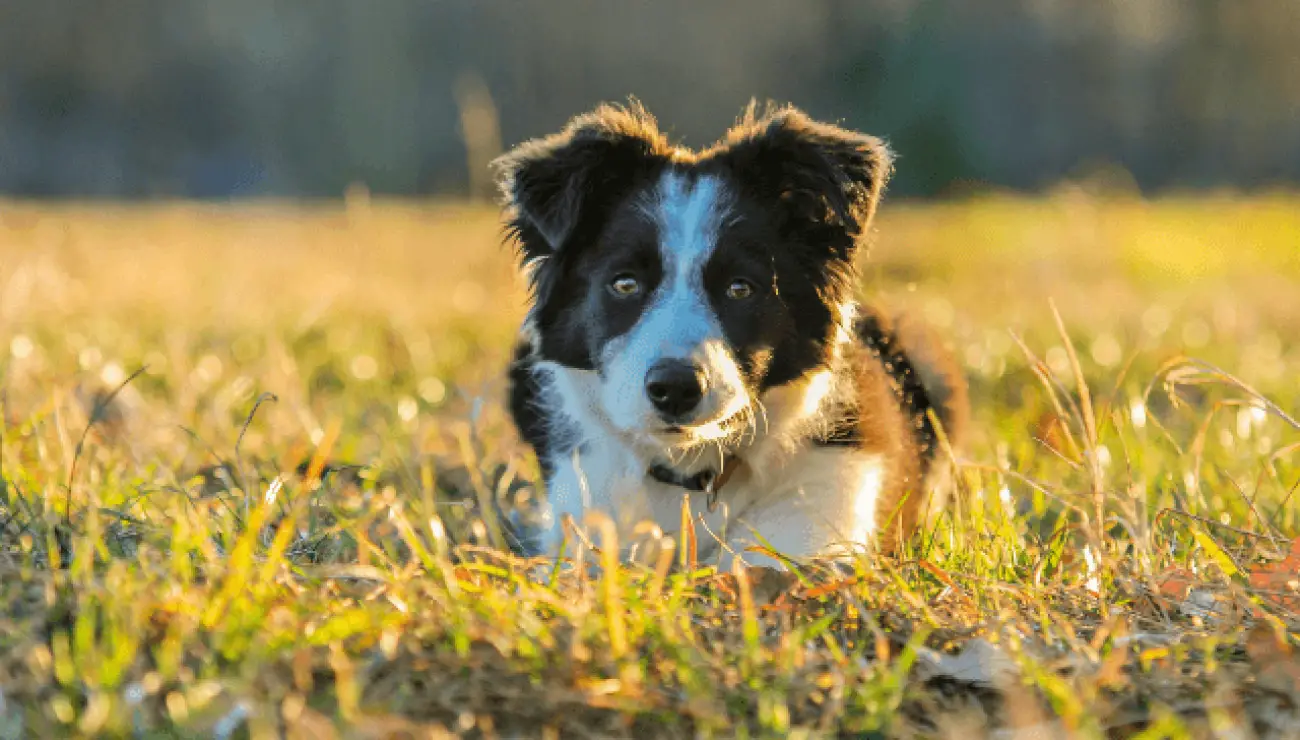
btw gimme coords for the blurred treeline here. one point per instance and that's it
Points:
(304, 97)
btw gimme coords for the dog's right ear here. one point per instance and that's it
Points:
(552, 185)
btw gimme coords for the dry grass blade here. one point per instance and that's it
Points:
(611, 585)
(1217, 374)
(1089, 419)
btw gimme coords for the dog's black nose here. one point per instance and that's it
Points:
(675, 387)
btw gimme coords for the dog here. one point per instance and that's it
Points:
(693, 331)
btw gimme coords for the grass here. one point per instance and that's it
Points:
(243, 450)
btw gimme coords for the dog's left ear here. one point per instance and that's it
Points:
(821, 174)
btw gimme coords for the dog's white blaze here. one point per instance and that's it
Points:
(679, 323)
(688, 218)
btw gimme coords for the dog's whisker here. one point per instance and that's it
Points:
(751, 425)
(759, 409)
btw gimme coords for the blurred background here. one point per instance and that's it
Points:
(304, 98)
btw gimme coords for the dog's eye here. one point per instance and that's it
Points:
(740, 289)
(624, 286)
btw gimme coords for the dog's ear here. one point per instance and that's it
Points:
(820, 173)
(551, 185)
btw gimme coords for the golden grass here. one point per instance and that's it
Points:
(316, 569)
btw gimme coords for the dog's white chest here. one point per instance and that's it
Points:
(820, 500)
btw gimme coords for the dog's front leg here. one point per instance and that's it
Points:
(568, 496)
(588, 479)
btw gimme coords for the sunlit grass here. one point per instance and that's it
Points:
(172, 563)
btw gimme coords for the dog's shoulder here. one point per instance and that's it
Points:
(901, 373)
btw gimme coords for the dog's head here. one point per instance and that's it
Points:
(690, 283)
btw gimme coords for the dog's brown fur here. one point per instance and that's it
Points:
(921, 478)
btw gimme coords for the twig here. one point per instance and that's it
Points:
(1208, 522)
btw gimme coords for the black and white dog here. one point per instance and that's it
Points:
(693, 330)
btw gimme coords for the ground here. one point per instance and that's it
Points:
(245, 451)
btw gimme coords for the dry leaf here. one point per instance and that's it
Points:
(1177, 590)
(945, 579)
(1280, 580)
(1176, 583)
(826, 589)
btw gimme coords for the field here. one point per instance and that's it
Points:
(244, 452)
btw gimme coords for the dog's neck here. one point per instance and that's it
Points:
(810, 406)
(707, 480)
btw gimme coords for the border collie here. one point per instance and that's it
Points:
(693, 330)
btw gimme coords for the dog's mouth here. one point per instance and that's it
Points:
(711, 431)
(673, 433)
